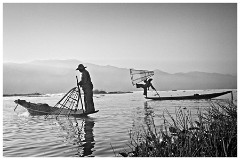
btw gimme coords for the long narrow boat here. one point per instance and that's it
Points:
(45, 109)
(191, 97)
(67, 106)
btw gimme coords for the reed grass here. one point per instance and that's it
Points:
(212, 133)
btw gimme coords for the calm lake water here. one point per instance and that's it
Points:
(96, 135)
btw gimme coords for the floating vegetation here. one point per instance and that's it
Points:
(213, 133)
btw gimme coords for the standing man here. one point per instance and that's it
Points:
(145, 86)
(87, 87)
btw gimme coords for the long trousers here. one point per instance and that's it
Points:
(88, 100)
(144, 88)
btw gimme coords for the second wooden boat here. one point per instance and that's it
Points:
(191, 97)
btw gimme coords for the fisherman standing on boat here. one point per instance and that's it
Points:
(146, 86)
(87, 87)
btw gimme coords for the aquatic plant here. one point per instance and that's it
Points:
(213, 133)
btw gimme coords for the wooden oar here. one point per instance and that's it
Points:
(15, 108)
(79, 94)
(157, 93)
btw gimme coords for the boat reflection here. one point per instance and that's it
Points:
(79, 133)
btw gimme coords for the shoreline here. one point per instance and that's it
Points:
(41, 95)
(24, 94)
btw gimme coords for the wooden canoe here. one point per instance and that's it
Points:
(45, 109)
(191, 97)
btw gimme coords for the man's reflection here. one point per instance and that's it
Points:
(80, 132)
(149, 113)
(88, 137)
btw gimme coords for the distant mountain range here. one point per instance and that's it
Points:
(59, 76)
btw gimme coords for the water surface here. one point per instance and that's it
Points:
(96, 135)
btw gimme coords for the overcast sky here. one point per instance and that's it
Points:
(170, 37)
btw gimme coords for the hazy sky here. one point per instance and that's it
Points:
(170, 37)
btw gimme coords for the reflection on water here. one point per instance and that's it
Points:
(149, 114)
(79, 132)
(88, 138)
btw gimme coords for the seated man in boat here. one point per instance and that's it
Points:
(87, 87)
(146, 86)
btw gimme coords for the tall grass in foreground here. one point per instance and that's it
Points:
(212, 134)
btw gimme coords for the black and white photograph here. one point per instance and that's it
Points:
(108, 79)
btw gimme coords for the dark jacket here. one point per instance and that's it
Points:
(86, 82)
